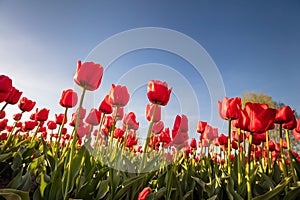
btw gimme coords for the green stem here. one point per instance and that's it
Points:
(239, 159)
(67, 190)
(60, 132)
(97, 136)
(249, 189)
(269, 160)
(290, 155)
(281, 151)
(148, 137)
(36, 131)
(113, 128)
(229, 147)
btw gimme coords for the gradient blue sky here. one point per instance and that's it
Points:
(255, 45)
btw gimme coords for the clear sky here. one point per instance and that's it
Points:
(254, 44)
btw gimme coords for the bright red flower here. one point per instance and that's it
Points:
(205, 143)
(42, 115)
(106, 106)
(284, 115)
(59, 119)
(201, 126)
(5, 87)
(234, 144)
(119, 133)
(144, 193)
(118, 95)
(229, 109)
(271, 145)
(193, 143)
(88, 75)
(256, 118)
(13, 96)
(51, 125)
(94, 117)
(158, 92)
(17, 116)
(3, 124)
(19, 124)
(3, 136)
(131, 139)
(236, 137)
(30, 125)
(296, 135)
(2, 114)
(68, 98)
(165, 136)
(223, 139)
(149, 112)
(26, 105)
(290, 125)
(108, 121)
(130, 121)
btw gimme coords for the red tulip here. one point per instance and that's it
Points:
(26, 105)
(94, 117)
(205, 143)
(236, 137)
(119, 133)
(131, 139)
(229, 109)
(256, 118)
(106, 106)
(201, 126)
(68, 98)
(284, 115)
(3, 124)
(193, 143)
(234, 144)
(165, 136)
(108, 121)
(51, 125)
(149, 112)
(130, 121)
(42, 115)
(3, 136)
(158, 127)
(5, 87)
(158, 92)
(271, 145)
(83, 130)
(144, 193)
(118, 95)
(296, 135)
(210, 133)
(290, 125)
(30, 125)
(120, 113)
(13, 96)
(2, 114)
(19, 124)
(223, 139)
(17, 116)
(59, 119)
(88, 75)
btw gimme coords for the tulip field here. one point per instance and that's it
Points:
(97, 154)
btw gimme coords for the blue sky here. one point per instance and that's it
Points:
(254, 44)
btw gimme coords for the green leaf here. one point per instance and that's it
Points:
(232, 194)
(157, 195)
(17, 162)
(275, 191)
(4, 157)
(13, 194)
(293, 194)
(103, 189)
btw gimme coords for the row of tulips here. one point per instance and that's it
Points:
(102, 157)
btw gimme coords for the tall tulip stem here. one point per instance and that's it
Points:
(239, 159)
(249, 189)
(281, 150)
(290, 155)
(268, 153)
(229, 147)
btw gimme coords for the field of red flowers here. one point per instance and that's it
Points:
(99, 159)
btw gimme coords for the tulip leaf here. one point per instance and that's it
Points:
(13, 194)
(293, 194)
(231, 193)
(103, 189)
(275, 191)
(4, 157)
